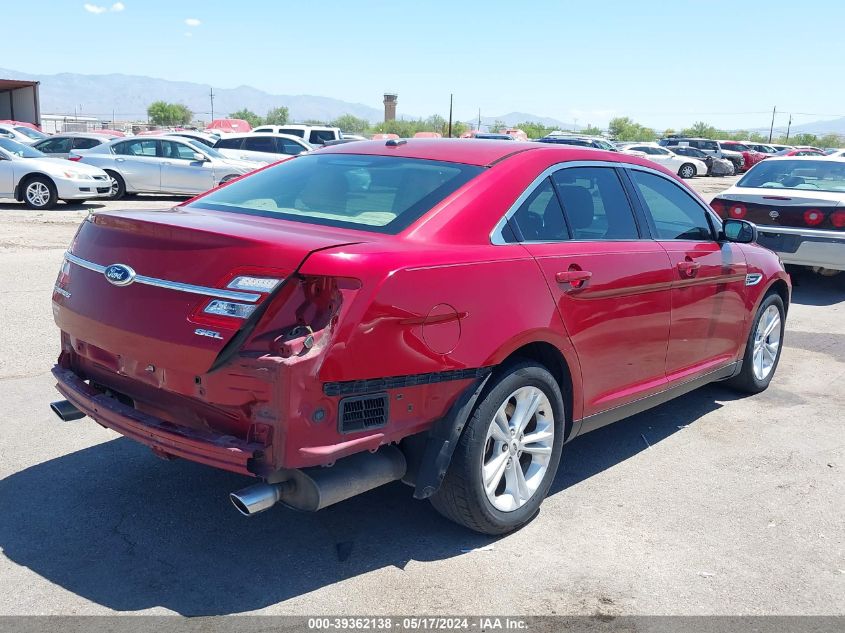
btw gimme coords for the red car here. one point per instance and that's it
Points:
(750, 156)
(440, 312)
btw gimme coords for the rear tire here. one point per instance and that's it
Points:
(118, 186)
(687, 170)
(505, 461)
(762, 350)
(40, 193)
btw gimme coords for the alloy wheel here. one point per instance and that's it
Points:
(766, 342)
(37, 193)
(517, 449)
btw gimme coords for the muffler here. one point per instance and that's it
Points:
(312, 489)
(66, 411)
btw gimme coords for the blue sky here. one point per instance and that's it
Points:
(663, 63)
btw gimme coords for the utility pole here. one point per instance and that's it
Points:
(788, 127)
(478, 128)
(450, 115)
(211, 96)
(772, 128)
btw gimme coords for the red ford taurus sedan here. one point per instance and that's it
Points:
(436, 311)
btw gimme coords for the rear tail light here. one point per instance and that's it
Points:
(737, 211)
(75, 159)
(813, 217)
(718, 206)
(837, 218)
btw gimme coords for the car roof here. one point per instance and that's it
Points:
(482, 154)
(270, 134)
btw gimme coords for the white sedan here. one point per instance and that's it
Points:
(684, 166)
(798, 204)
(29, 176)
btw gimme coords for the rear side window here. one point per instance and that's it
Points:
(675, 213)
(136, 148)
(85, 143)
(540, 218)
(383, 194)
(293, 132)
(228, 143)
(595, 204)
(321, 136)
(260, 144)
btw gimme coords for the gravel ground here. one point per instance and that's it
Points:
(710, 504)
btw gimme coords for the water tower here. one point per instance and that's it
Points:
(390, 99)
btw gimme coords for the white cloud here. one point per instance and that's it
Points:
(97, 9)
(192, 22)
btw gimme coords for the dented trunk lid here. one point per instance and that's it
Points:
(181, 259)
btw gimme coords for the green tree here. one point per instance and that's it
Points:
(247, 115)
(700, 129)
(592, 130)
(277, 116)
(164, 113)
(624, 129)
(497, 126)
(534, 129)
(351, 124)
(831, 140)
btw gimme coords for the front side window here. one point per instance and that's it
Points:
(540, 218)
(287, 146)
(595, 204)
(178, 151)
(675, 213)
(384, 194)
(55, 146)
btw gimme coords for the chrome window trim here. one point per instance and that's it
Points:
(219, 293)
(496, 236)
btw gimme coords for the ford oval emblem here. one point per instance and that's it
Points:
(773, 214)
(119, 274)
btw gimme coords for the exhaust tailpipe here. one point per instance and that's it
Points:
(66, 411)
(313, 489)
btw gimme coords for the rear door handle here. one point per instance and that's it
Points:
(574, 277)
(688, 268)
(119, 160)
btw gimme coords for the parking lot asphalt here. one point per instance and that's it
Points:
(713, 503)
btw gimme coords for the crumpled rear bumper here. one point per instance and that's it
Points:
(205, 447)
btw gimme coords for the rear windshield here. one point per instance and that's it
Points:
(19, 149)
(383, 194)
(810, 175)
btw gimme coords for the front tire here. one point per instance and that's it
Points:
(39, 192)
(118, 186)
(762, 350)
(687, 170)
(508, 454)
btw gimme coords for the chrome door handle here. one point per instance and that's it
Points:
(119, 160)
(688, 268)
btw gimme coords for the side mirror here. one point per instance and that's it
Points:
(740, 231)
(200, 157)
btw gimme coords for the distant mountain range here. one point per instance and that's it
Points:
(129, 95)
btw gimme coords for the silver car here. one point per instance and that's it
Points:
(60, 145)
(265, 148)
(162, 164)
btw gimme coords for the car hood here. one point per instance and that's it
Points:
(58, 166)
